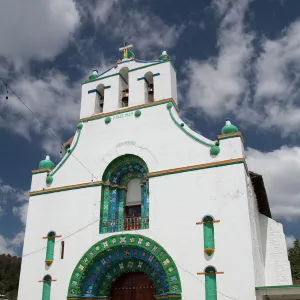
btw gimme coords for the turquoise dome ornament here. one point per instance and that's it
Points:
(164, 56)
(229, 128)
(93, 75)
(46, 163)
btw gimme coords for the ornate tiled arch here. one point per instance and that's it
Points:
(160, 267)
(120, 171)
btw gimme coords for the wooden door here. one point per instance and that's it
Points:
(133, 286)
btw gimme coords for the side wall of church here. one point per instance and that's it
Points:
(258, 253)
(277, 265)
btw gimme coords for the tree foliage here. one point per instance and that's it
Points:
(9, 275)
(294, 258)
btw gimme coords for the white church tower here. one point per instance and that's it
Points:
(142, 207)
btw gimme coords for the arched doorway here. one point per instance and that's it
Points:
(133, 286)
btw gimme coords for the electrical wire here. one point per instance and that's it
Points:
(54, 134)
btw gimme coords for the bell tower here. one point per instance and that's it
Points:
(128, 83)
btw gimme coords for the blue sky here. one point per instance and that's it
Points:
(237, 59)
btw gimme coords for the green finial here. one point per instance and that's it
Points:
(164, 56)
(229, 128)
(93, 75)
(46, 163)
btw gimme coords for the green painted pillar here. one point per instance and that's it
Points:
(50, 248)
(46, 289)
(208, 233)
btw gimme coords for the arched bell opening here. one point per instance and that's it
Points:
(149, 87)
(124, 87)
(99, 103)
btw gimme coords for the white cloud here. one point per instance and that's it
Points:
(256, 84)
(218, 84)
(290, 241)
(281, 170)
(146, 31)
(52, 98)
(36, 29)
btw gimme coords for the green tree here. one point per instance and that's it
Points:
(294, 258)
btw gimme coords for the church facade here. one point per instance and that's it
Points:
(142, 207)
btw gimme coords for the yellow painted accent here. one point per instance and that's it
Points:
(51, 237)
(47, 280)
(85, 184)
(233, 134)
(40, 170)
(209, 250)
(214, 221)
(48, 262)
(197, 166)
(128, 108)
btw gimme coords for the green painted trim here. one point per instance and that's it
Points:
(76, 187)
(92, 118)
(182, 127)
(132, 70)
(67, 155)
(278, 287)
(242, 161)
(92, 184)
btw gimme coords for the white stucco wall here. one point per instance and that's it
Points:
(277, 266)
(258, 253)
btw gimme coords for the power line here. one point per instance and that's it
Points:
(43, 124)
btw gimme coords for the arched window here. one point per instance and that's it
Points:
(46, 287)
(124, 204)
(208, 234)
(149, 87)
(210, 283)
(99, 103)
(124, 87)
(50, 247)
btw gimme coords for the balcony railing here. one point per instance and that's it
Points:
(125, 224)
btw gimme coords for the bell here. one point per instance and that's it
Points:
(125, 97)
(101, 104)
(150, 90)
(6, 98)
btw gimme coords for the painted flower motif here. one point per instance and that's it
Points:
(140, 264)
(144, 253)
(170, 270)
(105, 206)
(130, 264)
(166, 262)
(123, 240)
(72, 291)
(147, 244)
(108, 276)
(121, 266)
(126, 252)
(91, 254)
(150, 258)
(85, 260)
(81, 267)
(140, 241)
(74, 282)
(174, 287)
(103, 262)
(131, 240)
(154, 248)
(173, 278)
(77, 274)
(113, 241)
(105, 244)
(161, 254)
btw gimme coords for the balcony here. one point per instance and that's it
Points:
(126, 224)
